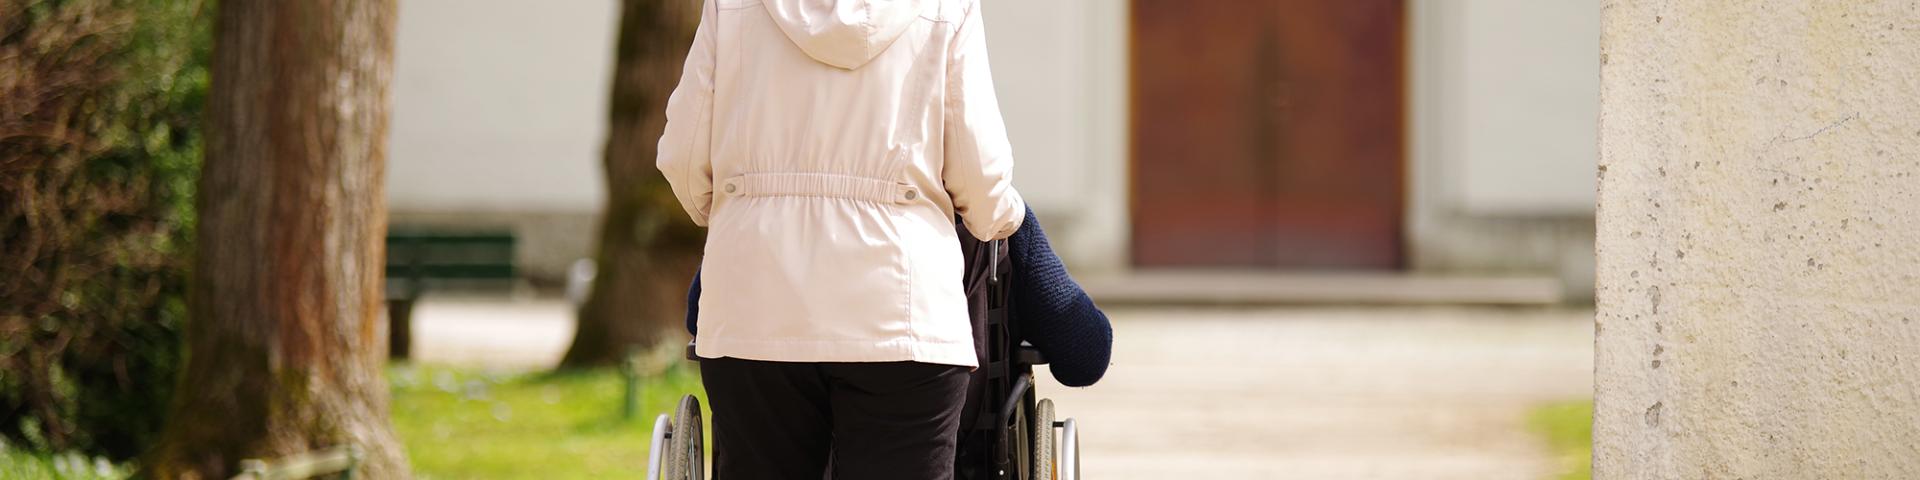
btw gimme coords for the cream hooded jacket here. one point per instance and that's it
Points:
(827, 146)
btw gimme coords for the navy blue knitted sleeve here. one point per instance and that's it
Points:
(693, 305)
(1055, 314)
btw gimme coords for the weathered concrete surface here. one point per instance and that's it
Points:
(1759, 240)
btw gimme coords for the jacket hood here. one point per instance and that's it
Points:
(843, 33)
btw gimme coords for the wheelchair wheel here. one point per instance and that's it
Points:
(1043, 468)
(1014, 451)
(686, 458)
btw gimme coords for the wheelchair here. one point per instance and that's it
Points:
(1006, 431)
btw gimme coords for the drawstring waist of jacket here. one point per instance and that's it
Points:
(818, 185)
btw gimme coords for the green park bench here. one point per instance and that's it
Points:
(419, 259)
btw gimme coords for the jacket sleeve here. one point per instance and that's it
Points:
(684, 155)
(978, 171)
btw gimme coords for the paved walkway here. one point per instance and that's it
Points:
(1322, 393)
(1329, 393)
(492, 333)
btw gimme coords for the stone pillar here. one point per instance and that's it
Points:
(1758, 240)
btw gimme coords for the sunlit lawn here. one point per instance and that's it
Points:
(1568, 429)
(470, 424)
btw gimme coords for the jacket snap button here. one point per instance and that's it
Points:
(731, 188)
(912, 194)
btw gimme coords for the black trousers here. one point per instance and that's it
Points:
(844, 421)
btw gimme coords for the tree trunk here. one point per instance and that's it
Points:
(648, 247)
(285, 343)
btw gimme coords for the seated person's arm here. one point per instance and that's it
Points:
(1056, 315)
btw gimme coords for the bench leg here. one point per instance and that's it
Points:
(399, 329)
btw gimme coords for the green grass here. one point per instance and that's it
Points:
(470, 424)
(17, 464)
(1568, 429)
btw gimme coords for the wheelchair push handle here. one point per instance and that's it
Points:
(993, 260)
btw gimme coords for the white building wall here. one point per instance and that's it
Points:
(499, 119)
(1038, 51)
(1060, 68)
(1503, 96)
(1502, 107)
(1525, 80)
(500, 105)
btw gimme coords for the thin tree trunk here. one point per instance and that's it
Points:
(285, 343)
(648, 246)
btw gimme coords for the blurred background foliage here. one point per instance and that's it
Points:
(100, 139)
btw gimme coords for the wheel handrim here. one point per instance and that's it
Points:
(1069, 450)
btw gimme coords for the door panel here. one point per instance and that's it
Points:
(1267, 133)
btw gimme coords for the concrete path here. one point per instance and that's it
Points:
(492, 332)
(1323, 393)
(1217, 287)
(1428, 393)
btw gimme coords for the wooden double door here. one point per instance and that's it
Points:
(1268, 133)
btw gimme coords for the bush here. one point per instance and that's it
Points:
(17, 465)
(100, 106)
